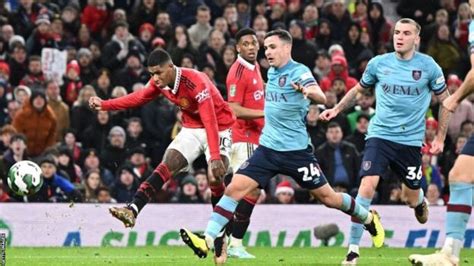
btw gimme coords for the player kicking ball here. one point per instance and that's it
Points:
(461, 179)
(207, 120)
(284, 148)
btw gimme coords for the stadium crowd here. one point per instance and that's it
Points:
(89, 156)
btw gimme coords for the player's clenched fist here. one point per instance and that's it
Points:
(218, 168)
(95, 103)
(329, 114)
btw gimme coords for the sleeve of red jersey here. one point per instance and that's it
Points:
(132, 100)
(208, 117)
(236, 87)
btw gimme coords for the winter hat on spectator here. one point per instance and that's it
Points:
(84, 52)
(189, 180)
(5, 68)
(431, 123)
(158, 41)
(43, 18)
(146, 26)
(284, 186)
(21, 88)
(117, 130)
(16, 39)
(453, 79)
(336, 49)
(339, 60)
(73, 65)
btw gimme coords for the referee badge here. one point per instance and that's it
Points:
(232, 90)
(416, 74)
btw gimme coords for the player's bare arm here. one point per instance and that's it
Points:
(347, 101)
(312, 92)
(244, 112)
(444, 115)
(467, 87)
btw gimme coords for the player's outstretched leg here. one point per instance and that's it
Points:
(458, 211)
(239, 226)
(347, 204)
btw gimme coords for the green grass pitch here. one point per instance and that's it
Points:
(184, 256)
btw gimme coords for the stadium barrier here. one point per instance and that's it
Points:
(35, 225)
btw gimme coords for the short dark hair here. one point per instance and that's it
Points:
(159, 57)
(363, 116)
(35, 58)
(203, 8)
(333, 124)
(134, 119)
(282, 34)
(245, 31)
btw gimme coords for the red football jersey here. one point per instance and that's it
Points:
(245, 86)
(198, 98)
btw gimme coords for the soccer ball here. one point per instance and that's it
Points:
(24, 178)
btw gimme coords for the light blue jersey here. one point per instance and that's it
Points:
(471, 37)
(286, 109)
(403, 94)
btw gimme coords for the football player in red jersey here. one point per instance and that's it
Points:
(246, 97)
(207, 122)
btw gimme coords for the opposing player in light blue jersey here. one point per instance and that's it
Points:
(461, 180)
(284, 148)
(403, 82)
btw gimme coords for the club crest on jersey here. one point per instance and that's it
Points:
(282, 81)
(416, 74)
(232, 90)
(366, 165)
(183, 102)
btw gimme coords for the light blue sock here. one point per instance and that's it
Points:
(221, 215)
(458, 210)
(421, 197)
(353, 208)
(357, 227)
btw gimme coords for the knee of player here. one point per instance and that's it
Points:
(457, 175)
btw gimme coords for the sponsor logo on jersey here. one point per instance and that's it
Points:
(258, 95)
(416, 74)
(366, 165)
(203, 95)
(282, 81)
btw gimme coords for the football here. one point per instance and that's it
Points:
(24, 178)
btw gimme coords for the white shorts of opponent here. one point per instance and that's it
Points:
(241, 151)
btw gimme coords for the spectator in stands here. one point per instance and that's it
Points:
(95, 135)
(188, 192)
(211, 54)
(133, 72)
(137, 158)
(322, 65)
(260, 23)
(303, 51)
(379, 28)
(60, 109)
(461, 26)
(340, 69)
(446, 160)
(444, 49)
(71, 22)
(339, 159)
(276, 14)
(103, 195)
(364, 106)
(353, 48)
(358, 135)
(199, 31)
(231, 15)
(464, 112)
(284, 193)
(203, 185)
(188, 61)
(125, 185)
(220, 24)
(228, 56)
(12, 108)
(183, 12)
(163, 26)
(310, 19)
(146, 34)
(72, 82)
(91, 162)
(135, 134)
(55, 187)
(22, 94)
(7, 32)
(115, 51)
(6, 133)
(181, 45)
(422, 11)
(430, 173)
(37, 121)
(18, 64)
(87, 69)
(24, 18)
(429, 31)
(338, 86)
(114, 153)
(145, 13)
(360, 12)
(84, 38)
(97, 16)
(69, 141)
(340, 19)
(341, 119)
(243, 13)
(315, 130)
(467, 128)
(41, 37)
(35, 78)
(433, 195)
(92, 183)
(81, 115)
(16, 152)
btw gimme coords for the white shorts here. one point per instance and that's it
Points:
(192, 142)
(241, 151)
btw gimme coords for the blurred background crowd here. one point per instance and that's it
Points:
(103, 156)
